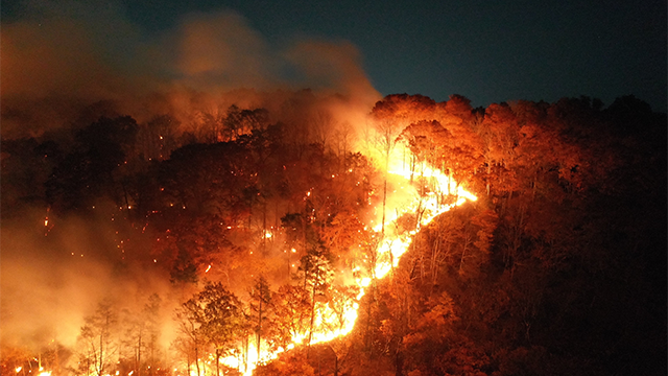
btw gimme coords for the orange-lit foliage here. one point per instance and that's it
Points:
(518, 238)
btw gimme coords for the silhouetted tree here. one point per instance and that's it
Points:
(99, 339)
(260, 307)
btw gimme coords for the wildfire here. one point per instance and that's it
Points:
(437, 193)
(444, 194)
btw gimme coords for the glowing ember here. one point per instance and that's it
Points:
(444, 194)
(422, 193)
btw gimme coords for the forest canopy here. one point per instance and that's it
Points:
(234, 228)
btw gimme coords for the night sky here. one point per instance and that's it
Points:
(488, 51)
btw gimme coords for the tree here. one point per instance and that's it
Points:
(241, 122)
(391, 116)
(292, 307)
(428, 141)
(342, 299)
(398, 305)
(183, 269)
(90, 171)
(318, 274)
(460, 107)
(430, 334)
(214, 316)
(190, 340)
(260, 306)
(220, 317)
(142, 334)
(98, 338)
(157, 138)
(26, 166)
(499, 134)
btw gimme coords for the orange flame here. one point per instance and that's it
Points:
(444, 194)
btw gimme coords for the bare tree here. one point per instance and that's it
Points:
(97, 335)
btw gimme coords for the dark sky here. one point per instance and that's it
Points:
(489, 51)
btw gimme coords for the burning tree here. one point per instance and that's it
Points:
(318, 274)
(216, 316)
(292, 313)
(260, 307)
(483, 279)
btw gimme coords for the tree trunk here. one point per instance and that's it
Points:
(217, 362)
(101, 354)
(246, 343)
(310, 332)
(259, 326)
(138, 366)
(398, 364)
(461, 259)
(197, 361)
(489, 171)
(264, 227)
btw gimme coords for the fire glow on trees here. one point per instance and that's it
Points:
(294, 212)
(125, 177)
(420, 193)
(439, 194)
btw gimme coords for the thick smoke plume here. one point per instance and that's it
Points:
(61, 58)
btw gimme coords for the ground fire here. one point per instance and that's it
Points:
(411, 237)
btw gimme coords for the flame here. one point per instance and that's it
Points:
(443, 194)
(394, 244)
(428, 205)
(423, 193)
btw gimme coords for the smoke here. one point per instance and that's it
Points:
(62, 57)
(73, 50)
(51, 283)
(333, 66)
(221, 51)
(65, 63)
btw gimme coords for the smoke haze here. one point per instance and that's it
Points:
(50, 283)
(66, 63)
(60, 58)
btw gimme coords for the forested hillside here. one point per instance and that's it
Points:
(249, 230)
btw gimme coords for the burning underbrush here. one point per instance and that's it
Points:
(214, 329)
(287, 241)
